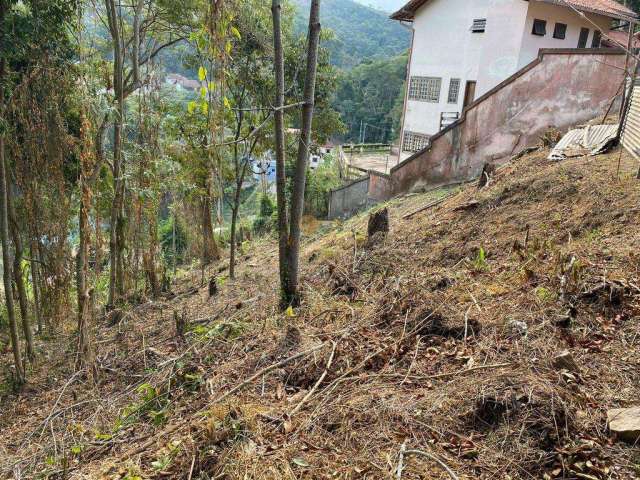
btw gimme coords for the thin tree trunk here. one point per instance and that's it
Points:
(292, 294)
(173, 242)
(19, 279)
(4, 223)
(281, 179)
(234, 221)
(35, 281)
(86, 356)
(115, 273)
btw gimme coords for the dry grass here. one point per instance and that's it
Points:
(437, 346)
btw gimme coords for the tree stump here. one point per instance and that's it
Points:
(378, 225)
(213, 287)
(181, 324)
(485, 177)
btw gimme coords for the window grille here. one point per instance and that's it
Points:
(426, 89)
(414, 142)
(454, 90)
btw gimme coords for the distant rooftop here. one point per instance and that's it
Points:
(608, 8)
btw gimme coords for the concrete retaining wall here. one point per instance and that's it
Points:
(345, 201)
(348, 200)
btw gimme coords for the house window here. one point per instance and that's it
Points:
(560, 31)
(584, 35)
(454, 90)
(539, 27)
(426, 89)
(479, 25)
(597, 37)
(414, 142)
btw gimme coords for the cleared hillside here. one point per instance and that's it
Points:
(441, 337)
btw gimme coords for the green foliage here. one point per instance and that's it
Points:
(264, 223)
(166, 234)
(480, 262)
(150, 406)
(319, 183)
(544, 295)
(229, 330)
(360, 33)
(372, 94)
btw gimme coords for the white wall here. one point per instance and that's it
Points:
(444, 47)
(503, 41)
(531, 44)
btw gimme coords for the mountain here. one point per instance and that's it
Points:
(384, 5)
(360, 33)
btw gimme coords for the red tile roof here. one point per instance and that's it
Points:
(608, 8)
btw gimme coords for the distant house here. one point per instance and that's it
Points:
(461, 49)
(181, 82)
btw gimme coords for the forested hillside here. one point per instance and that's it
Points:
(384, 5)
(369, 99)
(359, 33)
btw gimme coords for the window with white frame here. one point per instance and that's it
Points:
(454, 90)
(414, 142)
(425, 89)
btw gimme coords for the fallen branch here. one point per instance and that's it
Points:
(443, 375)
(436, 459)
(266, 370)
(427, 207)
(403, 449)
(315, 386)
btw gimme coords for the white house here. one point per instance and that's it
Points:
(461, 49)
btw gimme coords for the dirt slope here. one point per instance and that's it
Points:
(441, 337)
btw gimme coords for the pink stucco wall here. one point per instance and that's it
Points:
(561, 88)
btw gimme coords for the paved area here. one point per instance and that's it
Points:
(380, 162)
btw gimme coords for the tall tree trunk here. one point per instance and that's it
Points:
(115, 247)
(86, 354)
(291, 291)
(4, 221)
(211, 252)
(35, 281)
(281, 179)
(19, 278)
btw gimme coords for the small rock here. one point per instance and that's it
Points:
(518, 328)
(565, 361)
(625, 423)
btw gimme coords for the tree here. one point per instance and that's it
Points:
(290, 262)
(147, 27)
(4, 213)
